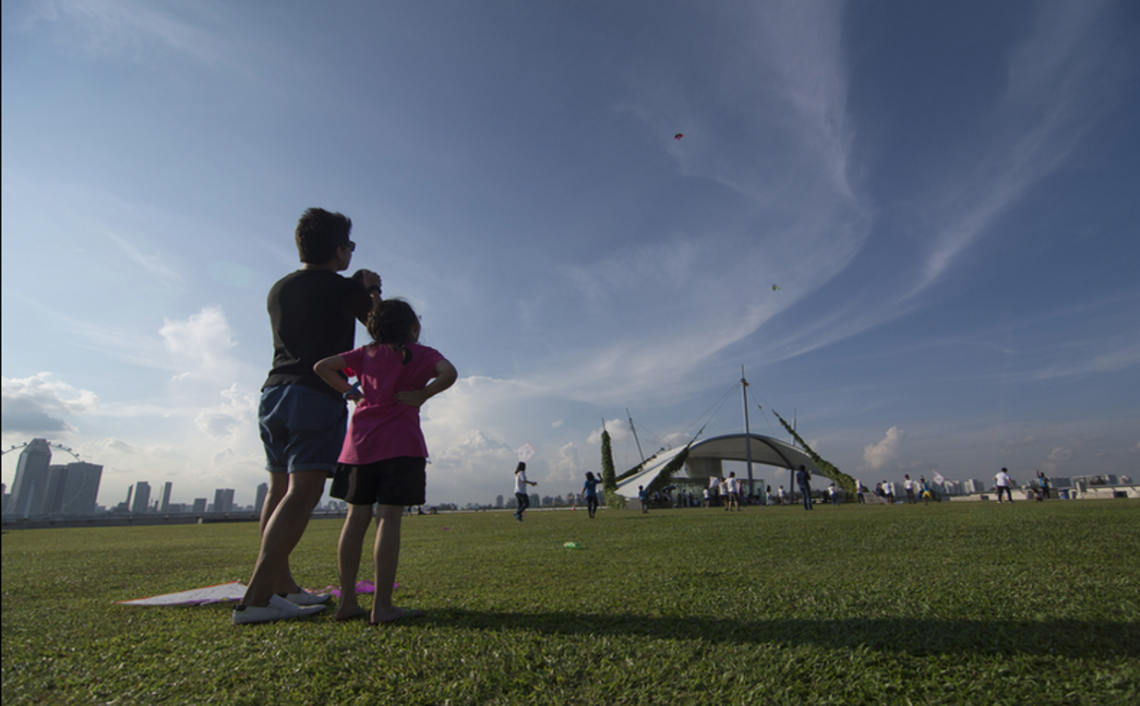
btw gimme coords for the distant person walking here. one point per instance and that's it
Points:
(521, 496)
(385, 456)
(1003, 483)
(908, 485)
(833, 494)
(312, 315)
(590, 490)
(803, 480)
(643, 499)
(714, 490)
(783, 496)
(1044, 484)
(859, 490)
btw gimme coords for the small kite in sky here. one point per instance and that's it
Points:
(525, 452)
(775, 287)
(678, 136)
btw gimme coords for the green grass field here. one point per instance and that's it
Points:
(965, 603)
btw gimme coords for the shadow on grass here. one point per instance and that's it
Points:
(918, 636)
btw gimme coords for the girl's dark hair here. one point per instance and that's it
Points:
(393, 322)
(520, 467)
(589, 475)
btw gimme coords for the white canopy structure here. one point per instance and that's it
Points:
(705, 459)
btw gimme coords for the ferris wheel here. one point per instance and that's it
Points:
(62, 501)
(51, 444)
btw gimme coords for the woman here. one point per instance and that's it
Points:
(520, 490)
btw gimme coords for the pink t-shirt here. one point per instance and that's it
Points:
(382, 428)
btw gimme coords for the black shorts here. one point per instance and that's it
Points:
(398, 481)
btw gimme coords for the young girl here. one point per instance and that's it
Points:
(520, 490)
(384, 454)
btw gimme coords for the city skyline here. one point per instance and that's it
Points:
(139, 501)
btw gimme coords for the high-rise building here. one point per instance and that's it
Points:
(224, 500)
(53, 495)
(166, 488)
(30, 485)
(199, 505)
(262, 491)
(142, 498)
(81, 489)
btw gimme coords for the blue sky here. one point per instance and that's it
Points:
(945, 194)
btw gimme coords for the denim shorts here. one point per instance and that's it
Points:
(301, 429)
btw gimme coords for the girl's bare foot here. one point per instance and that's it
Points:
(347, 610)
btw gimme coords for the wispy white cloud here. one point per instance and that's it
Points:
(152, 263)
(139, 29)
(1054, 96)
(804, 221)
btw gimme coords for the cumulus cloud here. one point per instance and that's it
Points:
(1060, 454)
(237, 414)
(200, 346)
(887, 451)
(618, 429)
(37, 405)
(566, 467)
(195, 469)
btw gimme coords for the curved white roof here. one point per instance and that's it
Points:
(730, 447)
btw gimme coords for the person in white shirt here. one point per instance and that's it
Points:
(1002, 482)
(731, 493)
(520, 490)
(833, 494)
(714, 490)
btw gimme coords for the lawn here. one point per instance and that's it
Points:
(964, 603)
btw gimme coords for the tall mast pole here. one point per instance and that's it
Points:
(634, 430)
(747, 430)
